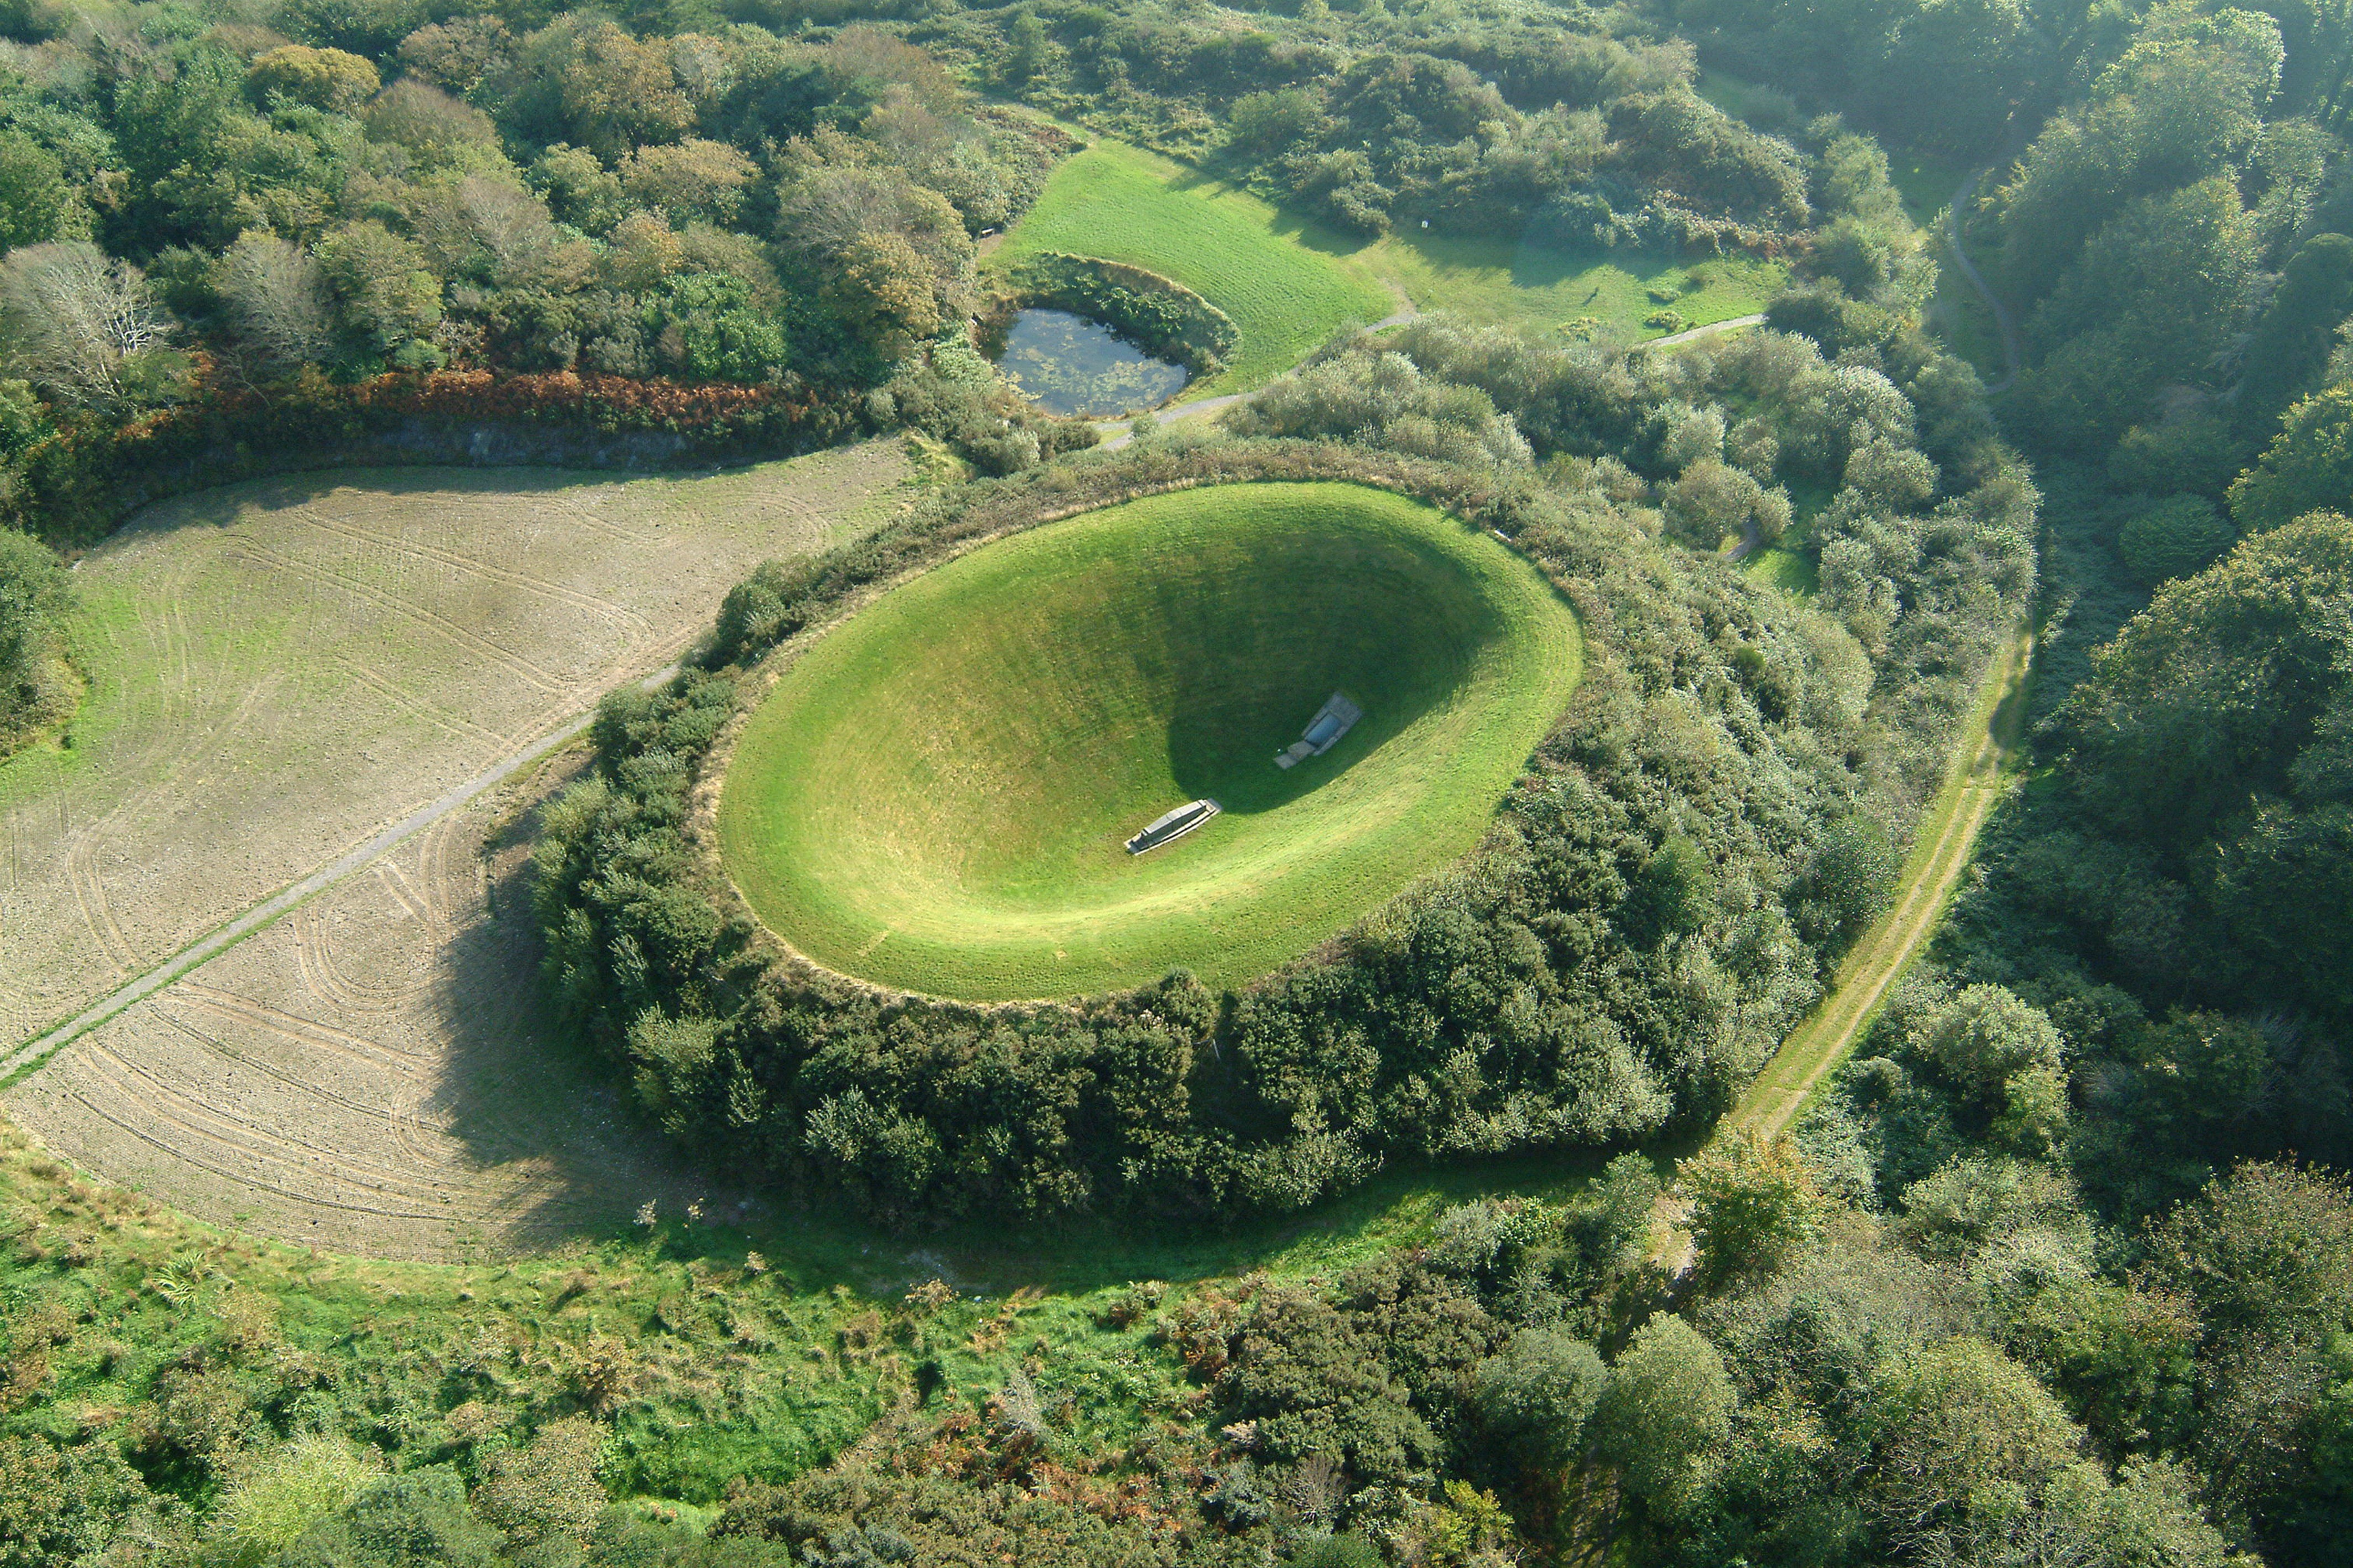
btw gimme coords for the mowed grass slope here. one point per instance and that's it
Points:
(935, 796)
(1283, 283)
(1288, 283)
(1506, 282)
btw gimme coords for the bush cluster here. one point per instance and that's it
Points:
(76, 483)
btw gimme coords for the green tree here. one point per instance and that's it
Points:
(2182, 105)
(37, 683)
(1537, 1393)
(712, 332)
(37, 203)
(331, 79)
(2292, 343)
(2123, 1359)
(2153, 300)
(2210, 693)
(1983, 1036)
(62, 1505)
(883, 291)
(387, 297)
(1316, 1385)
(547, 1489)
(2307, 467)
(2174, 538)
(1754, 1203)
(1673, 895)
(2265, 1256)
(1958, 1432)
(1665, 1414)
(415, 1520)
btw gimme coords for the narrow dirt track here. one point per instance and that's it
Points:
(2012, 360)
(1823, 1040)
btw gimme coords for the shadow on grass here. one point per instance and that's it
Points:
(221, 506)
(520, 1091)
(1403, 626)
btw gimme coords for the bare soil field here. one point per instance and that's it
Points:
(278, 670)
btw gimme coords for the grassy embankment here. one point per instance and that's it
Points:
(937, 795)
(1288, 283)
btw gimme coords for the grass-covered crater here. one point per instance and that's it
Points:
(936, 795)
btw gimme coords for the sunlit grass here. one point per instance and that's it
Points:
(935, 797)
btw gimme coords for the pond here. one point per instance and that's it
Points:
(1068, 364)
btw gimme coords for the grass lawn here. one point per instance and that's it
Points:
(1740, 99)
(1926, 181)
(1513, 284)
(935, 796)
(1791, 570)
(1287, 284)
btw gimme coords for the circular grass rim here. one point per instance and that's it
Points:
(820, 850)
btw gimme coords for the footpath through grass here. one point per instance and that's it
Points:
(935, 796)
(1940, 854)
(1630, 294)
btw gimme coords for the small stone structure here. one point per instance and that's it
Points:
(1333, 719)
(1171, 825)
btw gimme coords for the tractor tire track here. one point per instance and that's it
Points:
(522, 668)
(418, 707)
(617, 614)
(37, 1050)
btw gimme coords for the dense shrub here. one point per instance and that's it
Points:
(2174, 538)
(37, 685)
(1161, 317)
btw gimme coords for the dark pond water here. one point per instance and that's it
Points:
(1068, 364)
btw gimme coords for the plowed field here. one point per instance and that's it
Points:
(280, 670)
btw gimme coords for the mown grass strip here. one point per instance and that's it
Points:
(1287, 284)
(1941, 853)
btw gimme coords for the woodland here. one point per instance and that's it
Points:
(2056, 1268)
